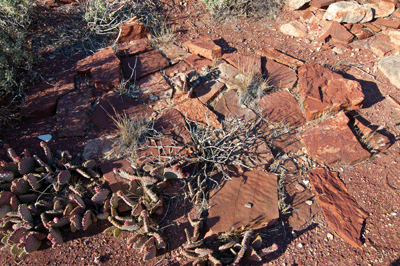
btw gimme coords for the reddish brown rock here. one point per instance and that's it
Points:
(382, 8)
(324, 90)
(280, 75)
(228, 106)
(338, 32)
(294, 28)
(279, 57)
(131, 30)
(198, 62)
(340, 209)
(105, 68)
(96, 149)
(322, 3)
(257, 155)
(155, 91)
(381, 45)
(298, 194)
(181, 67)
(205, 47)
(282, 107)
(207, 91)
(193, 109)
(333, 141)
(372, 27)
(138, 66)
(173, 52)
(41, 100)
(288, 143)
(246, 64)
(228, 74)
(133, 47)
(112, 103)
(387, 23)
(115, 182)
(172, 124)
(249, 200)
(73, 114)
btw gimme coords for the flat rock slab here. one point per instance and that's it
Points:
(207, 91)
(42, 100)
(279, 57)
(96, 149)
(198, 63)
(73, 114)
(138, 66)
(338, 32)
(323, 89)
(229, 75)
(193, 109)
(340, 209)
(181, 67)
(132, 29)
(228, 106)
(173, 52)
(282, 107)
(280, 75)
(381, 45)
(105, 68)
(390, 66)
(110, 104)
(155, 91)
(257, 155)
(172, 124)
(348, 12)
(133, 47)
(287, 143)
(115, 182)
(298, 194)
(382, 8)
(247, 201)
(333, 141)
(204, 47)
(246, 64)
(294, 28)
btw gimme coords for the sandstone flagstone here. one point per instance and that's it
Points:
(390, 66)
(173, 52)
(324, 90)
(294, 28)
(204, 47)
(228, 106)
(138, 66)
(198, 62)
(172, 124)
(207, 91)
(332, 141)
(280, 75)
(247, 201)
(133, 47)
(279, 57)
(348, 12)
(340, 209)
(246, 64)
(382, 8)
(132, 29)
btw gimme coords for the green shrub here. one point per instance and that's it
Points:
(15, 17)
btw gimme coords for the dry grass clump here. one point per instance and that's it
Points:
(223, 9)
(131, 132)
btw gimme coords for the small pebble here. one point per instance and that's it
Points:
(329, 236)
(300, 245)
(309, 202)
(306, 182)
(249, 205)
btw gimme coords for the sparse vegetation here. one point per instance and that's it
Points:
(222, 9)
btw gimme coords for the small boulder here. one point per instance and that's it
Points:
(348, 12)
(381, 8)
(294, 28)
(131, 30)
(297, 4)
(205, 47)
(138, 66)
(390, 66)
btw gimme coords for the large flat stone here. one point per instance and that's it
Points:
(73, 113)
(193, 109)
(255, 189)
(246, 64)
(105, 68)
(333, 141)
(390, 66)
(228, 75)
(279, 57)
(181, 67)
(133, 47)
(228, 106)
(294, 28)
(155, 91)
(382, 8)
(138, 66)
(112, 104)
(198, 63)
(280, 75)
(323, 90)
(173, 52)
(172, 124)
(340, 209)
(42, 99)
(204, 47)
(95, 149)
(207, 91)
(282, 107)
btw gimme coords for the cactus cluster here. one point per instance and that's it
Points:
(40, 197)
(230, 249)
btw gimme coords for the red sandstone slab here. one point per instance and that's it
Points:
(132, 29)
(322, 3)
(198, 62)
(155, 91)
(279, 57)
(41, 100)
(173, 52)
(323, 89)
(280, 75)
(133, 47)
(207, 91)
(138, 66)
(340, 209)
(247, 201)
(172, 124)
(204, 47)
(387, 23)
(246, 64)
(282, 107)
(181, 67)
(112, 103)
(228, 106)
(73, 114)
(333, 141)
